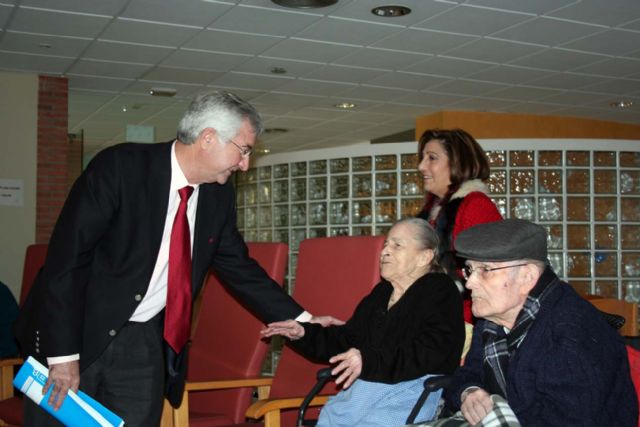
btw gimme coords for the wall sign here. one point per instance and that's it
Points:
(11, 192)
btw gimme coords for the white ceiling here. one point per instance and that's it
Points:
(560, 57)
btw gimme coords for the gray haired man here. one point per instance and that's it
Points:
(96, 313)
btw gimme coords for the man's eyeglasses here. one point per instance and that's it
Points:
(467, 270)
(244, 151)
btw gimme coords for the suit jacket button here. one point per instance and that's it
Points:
(138, 297)
(112, 332)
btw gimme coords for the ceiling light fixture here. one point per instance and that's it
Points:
(304, 4)
(162, 91)
(621, 104)
(345, 105)
(278, 70)
(391, 11)
(275, 130)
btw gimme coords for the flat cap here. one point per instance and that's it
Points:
(507, 240)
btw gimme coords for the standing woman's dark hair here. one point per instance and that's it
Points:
(454, 168)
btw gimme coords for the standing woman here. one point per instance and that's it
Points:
(454, 168)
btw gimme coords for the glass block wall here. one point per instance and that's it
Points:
(585, 192)
(589, 202)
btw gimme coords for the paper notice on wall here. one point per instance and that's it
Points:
(11, 192)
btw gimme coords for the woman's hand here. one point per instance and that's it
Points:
(349, 366)
(325, 321)
(287, 328)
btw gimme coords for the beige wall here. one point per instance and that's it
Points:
(18, 160)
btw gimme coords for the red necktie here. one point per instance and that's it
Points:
(177, 320)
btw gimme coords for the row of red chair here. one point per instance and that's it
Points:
(226, 355)
(332, 276)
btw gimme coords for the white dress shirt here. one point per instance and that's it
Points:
(156, 297)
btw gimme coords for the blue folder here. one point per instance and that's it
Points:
(77, 410)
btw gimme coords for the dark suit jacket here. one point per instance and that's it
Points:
(104, 248)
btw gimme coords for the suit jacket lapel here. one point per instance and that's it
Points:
(205, 217)
(158, 196)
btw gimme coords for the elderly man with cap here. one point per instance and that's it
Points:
(540, 353)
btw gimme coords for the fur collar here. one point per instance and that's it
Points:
(467, 187)
(470, 187)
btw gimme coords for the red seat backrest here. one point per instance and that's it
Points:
(241, 355)
(634, 367)
(33, 260)
(333, 275)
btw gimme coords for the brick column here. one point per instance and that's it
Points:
(53, 154)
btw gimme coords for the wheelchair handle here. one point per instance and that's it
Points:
(323, 376)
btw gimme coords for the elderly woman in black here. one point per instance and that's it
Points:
(408, 327)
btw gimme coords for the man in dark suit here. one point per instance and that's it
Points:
(96, 312)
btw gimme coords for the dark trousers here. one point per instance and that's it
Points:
(128, 378)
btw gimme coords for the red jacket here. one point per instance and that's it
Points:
(475, 208)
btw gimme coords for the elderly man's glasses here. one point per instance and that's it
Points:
(467, 270)
(244, 151)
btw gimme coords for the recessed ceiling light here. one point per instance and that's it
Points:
(279, 70)
(275, 130)
(621, 104)
(304, 4)
(345, 105)
(124, 108)
(162, 91)
(262, 151)
(391, 11)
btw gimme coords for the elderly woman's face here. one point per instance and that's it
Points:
(434, 168)
(401, 259)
